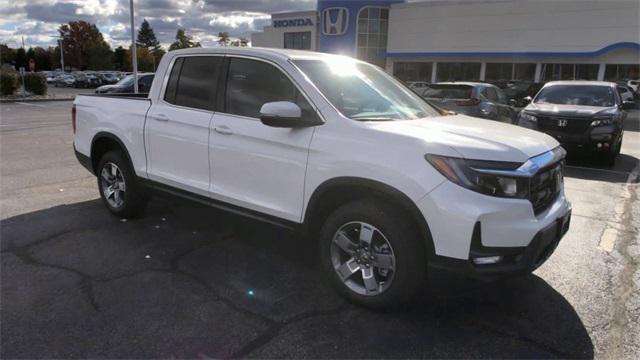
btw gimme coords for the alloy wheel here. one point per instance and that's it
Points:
(112, 184)
(363, 258)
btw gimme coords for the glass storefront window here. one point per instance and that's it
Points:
(621, 72)
(372, 35)
(458, 72)
(297, 40)
(509, 71)
(551, 72)
(412, 71)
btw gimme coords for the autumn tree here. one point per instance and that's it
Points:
(183, 41)
(82, 43)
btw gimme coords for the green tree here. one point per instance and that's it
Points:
(147, 40)
(183, 41)
(7, 54)
(100, 57)
(121, 59)
(42, 57)
(223, 38)
(21, 59)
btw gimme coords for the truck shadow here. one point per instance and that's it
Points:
(189, 281)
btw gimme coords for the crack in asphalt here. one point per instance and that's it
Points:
(86, 281)
(625, 241)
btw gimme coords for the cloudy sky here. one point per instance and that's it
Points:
(38, 20)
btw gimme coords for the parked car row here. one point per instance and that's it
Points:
(83, 79)
(581, 115)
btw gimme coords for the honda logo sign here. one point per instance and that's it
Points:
(562, 123)
(335, 21)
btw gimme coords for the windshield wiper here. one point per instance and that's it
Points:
(374, 118)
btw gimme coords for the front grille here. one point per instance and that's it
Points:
(545, 186)
(563, 124)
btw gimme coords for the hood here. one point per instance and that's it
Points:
(473, 138)
(567, 110)
(104, 88)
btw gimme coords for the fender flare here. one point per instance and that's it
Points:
(107, 135)
(378, 187)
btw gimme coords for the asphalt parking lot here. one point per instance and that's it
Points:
(189, 281)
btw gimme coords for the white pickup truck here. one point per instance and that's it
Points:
(340, 150)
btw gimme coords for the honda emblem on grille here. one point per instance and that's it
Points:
(562, 123)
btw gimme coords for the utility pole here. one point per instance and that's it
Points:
(134, 56)
(61, 54)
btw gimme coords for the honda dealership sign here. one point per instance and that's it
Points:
(292, 22)
(335, 21)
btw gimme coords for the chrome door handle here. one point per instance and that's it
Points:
(223, 130)
(161, 117)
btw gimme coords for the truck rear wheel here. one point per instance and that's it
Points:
(120, 192)
(371, 254)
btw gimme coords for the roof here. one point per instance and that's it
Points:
(581, 83)
(283, 54)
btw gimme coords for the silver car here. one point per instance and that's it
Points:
(471, 98)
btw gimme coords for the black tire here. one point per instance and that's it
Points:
(401, 233)
(135, 198)
(610, 157)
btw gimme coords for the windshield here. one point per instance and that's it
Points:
(126, 81)
(448, 92)
(364, 92)
(586, 95)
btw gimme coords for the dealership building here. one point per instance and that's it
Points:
(484, 40)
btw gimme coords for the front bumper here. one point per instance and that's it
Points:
(465, 224)
(514, 260)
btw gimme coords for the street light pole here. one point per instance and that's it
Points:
(134, 56)
(61, 54)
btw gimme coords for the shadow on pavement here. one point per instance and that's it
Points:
(590, 167)
(189, 281)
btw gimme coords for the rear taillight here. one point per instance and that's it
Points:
(73, 118)
(469, 102)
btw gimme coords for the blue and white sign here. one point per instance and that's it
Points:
(292, 22)
(335, 21)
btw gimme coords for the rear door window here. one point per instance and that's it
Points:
(193, 82)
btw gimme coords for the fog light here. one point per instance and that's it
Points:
(599, 145)
(487, 260)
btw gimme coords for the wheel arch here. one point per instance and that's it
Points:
(104, 142)
(337, 191)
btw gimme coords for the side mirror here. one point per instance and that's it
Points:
(627, 105)
(284, 114)
(527, 100)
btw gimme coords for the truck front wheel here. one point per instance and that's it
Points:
(372, 254)
(120, 192)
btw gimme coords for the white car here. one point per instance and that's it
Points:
(626, 93)
(337, 149)
(634, 84)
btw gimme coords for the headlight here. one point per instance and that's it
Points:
(602, 121)
(471, 175)
(527, 117)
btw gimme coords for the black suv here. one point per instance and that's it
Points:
(581, 115)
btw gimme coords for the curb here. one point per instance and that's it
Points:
(35, 100)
